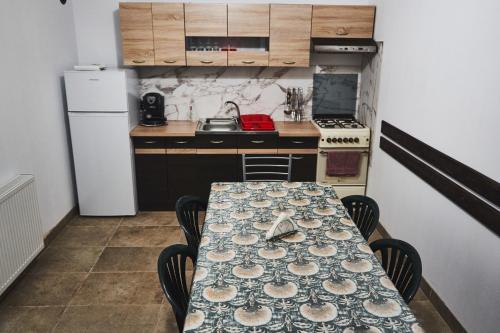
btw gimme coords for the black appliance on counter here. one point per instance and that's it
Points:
(153, 110)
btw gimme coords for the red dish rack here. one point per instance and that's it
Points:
(257, 122)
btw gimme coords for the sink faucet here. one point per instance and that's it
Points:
(234, 106)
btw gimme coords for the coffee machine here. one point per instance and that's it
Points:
(153, 110)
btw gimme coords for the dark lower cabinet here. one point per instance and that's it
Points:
(304, 167)
(216, 168)
(151, 180)
(182, 175)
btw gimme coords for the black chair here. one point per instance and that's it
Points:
(172, 273)
(266, 168)
(187, 209)
(402, 264)
(364, 212)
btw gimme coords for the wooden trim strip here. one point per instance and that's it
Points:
(297, 151)
(470, 178)
(475, 206)
(257, 151)
(209, 151)
(181, 151)
(150, 151)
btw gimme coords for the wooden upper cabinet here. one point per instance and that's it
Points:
(208, 20)
(247, 20)
(290, 35)
(136, 25)
(343, 21)
(168, 31)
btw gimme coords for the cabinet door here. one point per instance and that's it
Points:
(216, 168)
(304, 167)
(343, 21)
(136, 25)
(169, 37)
(206, 19)
(247, 20)
(182, 177)
(151, 180)
(290, 35)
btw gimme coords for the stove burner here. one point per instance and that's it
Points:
(338, 123)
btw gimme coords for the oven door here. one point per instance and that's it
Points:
(359, 179)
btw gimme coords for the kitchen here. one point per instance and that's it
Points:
(221, 62)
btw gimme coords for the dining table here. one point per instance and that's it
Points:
(324, 278)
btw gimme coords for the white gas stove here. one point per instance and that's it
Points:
(342, 133)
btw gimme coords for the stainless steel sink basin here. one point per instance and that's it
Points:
(218, 125)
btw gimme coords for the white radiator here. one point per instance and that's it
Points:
(21, 235)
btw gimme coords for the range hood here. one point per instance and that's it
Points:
(344, 45)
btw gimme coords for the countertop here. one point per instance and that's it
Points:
(188, 128)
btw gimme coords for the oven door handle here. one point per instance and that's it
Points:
(324, 153)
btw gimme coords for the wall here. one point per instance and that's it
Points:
(38, 43)
(440, 84)
(99, 42)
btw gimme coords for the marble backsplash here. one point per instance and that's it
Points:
(192, 93)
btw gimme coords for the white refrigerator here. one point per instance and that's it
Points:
(102, 109)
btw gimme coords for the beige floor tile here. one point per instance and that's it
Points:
(76, 259)
(119, 289)
(45, 289)
(128, 259)
(109, 319)
(420, 296)
(147, 236)
(428, 317)
(151, 219)
(85, 221)
(20, 319)
(76, 236)
(166, 320)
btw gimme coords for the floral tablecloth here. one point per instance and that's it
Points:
(322, 279)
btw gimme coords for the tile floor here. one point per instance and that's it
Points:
(99, 275)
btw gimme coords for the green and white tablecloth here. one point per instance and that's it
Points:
(323, 279)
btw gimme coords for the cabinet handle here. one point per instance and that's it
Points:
(138, 61)
(248, 62)
(297, 142)
(257, 141)
(216, 141)
(206, 61)
(170, 61)
(342, 31)
(297, 158)
(289, 62)
(181, 142)
(149, 142)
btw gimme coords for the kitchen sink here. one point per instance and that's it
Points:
(211, 125)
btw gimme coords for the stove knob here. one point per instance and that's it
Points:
(351, 140)
(339, 140)
(356, 140)
(329, 140)
(334, 140)
(346, 140)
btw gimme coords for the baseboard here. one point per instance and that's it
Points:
(433, 297)
(60, 225)
(47, 239)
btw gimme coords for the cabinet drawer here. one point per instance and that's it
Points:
(216, 141)
(343, 21)
(149, 142)
(181, 142)
(206, 58)
(258, 141)
(242, 58)
(298, 142)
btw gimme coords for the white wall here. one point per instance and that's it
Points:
(439, 83)
(98, 32)
(38, 43)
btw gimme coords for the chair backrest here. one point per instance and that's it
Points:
(188, 210)
(402, 264)
(172, 274)
(267, 168)
(364, 212)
